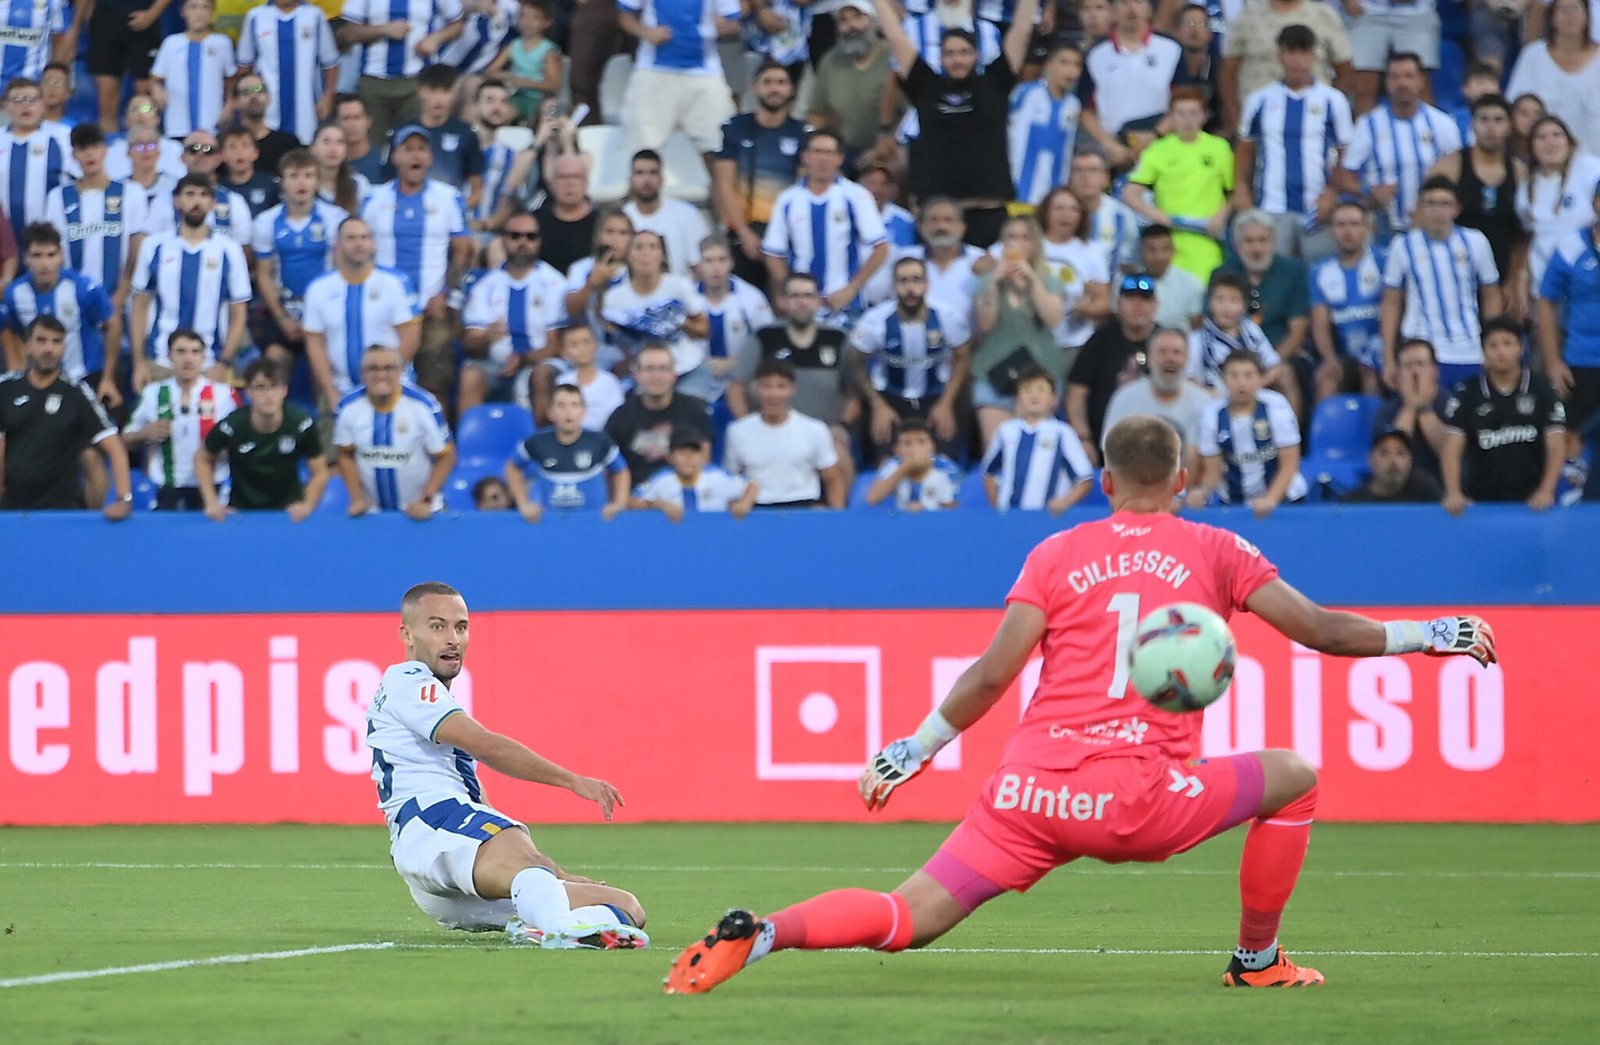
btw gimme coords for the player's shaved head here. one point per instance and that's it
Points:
(417, 592)
(1143, 451)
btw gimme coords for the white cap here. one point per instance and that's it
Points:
(864, 6)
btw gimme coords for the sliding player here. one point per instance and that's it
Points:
(1090, 769)
(469, 866)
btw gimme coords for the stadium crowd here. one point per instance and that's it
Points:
(718, 255)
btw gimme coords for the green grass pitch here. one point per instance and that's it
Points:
(1443, 934)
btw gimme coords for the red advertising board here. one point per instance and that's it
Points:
(733, 716)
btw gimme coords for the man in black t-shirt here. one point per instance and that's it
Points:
(961, 149)
(1394, 480)
(642, 426)
(251, 99)
(1507, 430)
(1113, 356)
(265, 443)
(567, 218)
(46, 422)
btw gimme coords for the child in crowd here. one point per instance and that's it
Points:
(193, 73)
(692, 483)
(1249, 444)
(564, 468)
(1226, 329)
(917, 477)
(1035, 460)
(530, 64)
(602, 392)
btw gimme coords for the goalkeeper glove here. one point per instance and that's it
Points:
(903, 759)
(1443, 637)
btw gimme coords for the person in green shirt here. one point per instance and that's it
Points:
(265, 443)
(1183, 181)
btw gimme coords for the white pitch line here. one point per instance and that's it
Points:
(1135, 952)
(189, 963)
(792, 869)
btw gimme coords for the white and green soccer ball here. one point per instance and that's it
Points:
(1182, 657)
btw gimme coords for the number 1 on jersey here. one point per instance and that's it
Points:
(1126, 606)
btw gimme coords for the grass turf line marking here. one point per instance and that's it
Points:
(189, 963)
(488, 944)
(693, 869)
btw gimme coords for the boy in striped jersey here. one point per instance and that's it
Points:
(1249, 444)
(174, 417)
(918, 477)
(45, 288)
(1443, 279)
(692, 483)
(1044, 124)
(33, 159)
(1035, 460)
(193, 72)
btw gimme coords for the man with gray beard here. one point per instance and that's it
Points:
(850, 92)
(1165, 393)
(954, 265)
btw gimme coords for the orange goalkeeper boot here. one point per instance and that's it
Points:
(709, 961)
(1281, 973)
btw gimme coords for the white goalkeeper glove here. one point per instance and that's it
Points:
(903, 759)
(1443, 637)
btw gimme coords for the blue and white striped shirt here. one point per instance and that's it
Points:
(192, 72)
(530, 306)
(389, 59)
(1115, 227)
(1041, 133)
(29, 168)
(303, 247)
(497, 161)
(1249, 445)
(97, 226)
(193, 285)
(1034, 464)
(1389, 150)
(909, 358)
(394, 446)
(482, 39)
(714, 491)
(353, 317)
(1296, 133)
(290, 50)
(1353, 298)
(81, 306)
(413, 230)
(692, 51)
(25, 36)
(1441, 280)
(828, 236)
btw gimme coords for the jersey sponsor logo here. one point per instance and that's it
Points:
(86, 229)
(1494, 438)
(1104, 733)
(1057, 805)
(1124, 530)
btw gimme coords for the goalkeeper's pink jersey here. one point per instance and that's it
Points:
(1094, 582)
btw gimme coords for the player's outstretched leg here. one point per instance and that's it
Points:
(510, 865)
(918, 911)
(1274, 851)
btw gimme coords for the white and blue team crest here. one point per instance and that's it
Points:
(583, 459)
(449, 142)
(286, 444)
(828, 354)
(787, 146)
(52, 403)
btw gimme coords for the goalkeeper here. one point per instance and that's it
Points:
(1091, 770)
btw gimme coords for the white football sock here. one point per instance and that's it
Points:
(766, 932)
(595, 914)
(1254, 960)
(541, 899)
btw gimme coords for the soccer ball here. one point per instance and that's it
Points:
(1182, 657)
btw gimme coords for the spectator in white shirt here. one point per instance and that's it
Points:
(1180, 296)
(1396, 144)
(788, 455)
(1563, 69)
(681, 225)
(677, 81)
(691, 483)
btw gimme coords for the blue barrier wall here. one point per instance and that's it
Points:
(78, 563)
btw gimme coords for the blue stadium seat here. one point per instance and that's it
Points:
(1341, 427)
(1447, 78)
(335, 498)
(858, 495)
(458, 488)
(1329, 479)
(972, 494)
(493, 430)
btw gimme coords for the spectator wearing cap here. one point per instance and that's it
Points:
(788, 455)
(759, 158)
(1395, 479)
(1569, 326)
(961, 148)
(419, 227)
(1113, 357)
(677, 82)
(394, 43)
(691, 483)
(849, 88)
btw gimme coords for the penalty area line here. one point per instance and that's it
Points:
(189, 963)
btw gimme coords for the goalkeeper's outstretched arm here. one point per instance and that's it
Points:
(973, 694)
(1352, 635)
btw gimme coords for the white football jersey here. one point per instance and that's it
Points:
(394, 446)
(402, 719)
